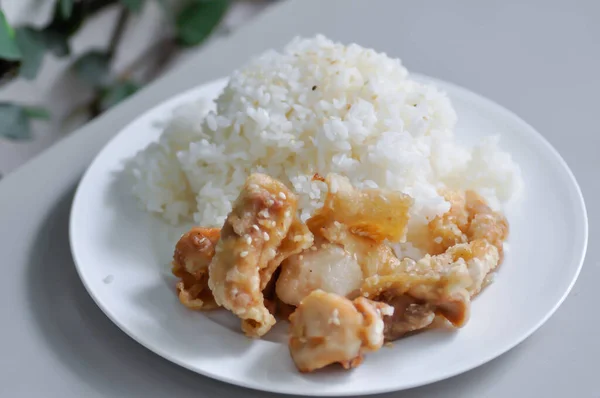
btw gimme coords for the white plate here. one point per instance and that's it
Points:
(122, 255)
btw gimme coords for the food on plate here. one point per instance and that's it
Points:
(251, 246)
(327, 328)
(325, 180)
(266, 259)
(469, 218)
(193, 253)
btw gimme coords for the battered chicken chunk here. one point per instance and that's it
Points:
(193, 253)
(481, 257)
(434, 280)
(329, 267)
(327, 328)
(469, 218)
(441, 284)
(248, 249)
(485, 223)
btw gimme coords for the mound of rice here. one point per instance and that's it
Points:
(317, 107)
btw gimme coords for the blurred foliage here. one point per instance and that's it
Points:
(23, 48)
(198, 19)
(16, 120)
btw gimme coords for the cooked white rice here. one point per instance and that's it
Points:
(317, 107)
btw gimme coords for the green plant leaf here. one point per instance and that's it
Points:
(56, 42)
(36, 112)
(80, 10)
(15, 123)
(196, 21)
(93, 67)
(116, 93)
(133, 5)
(32, 45)
(8, 45)
(68, 25)
(66, 8)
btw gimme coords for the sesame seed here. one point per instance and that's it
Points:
(255, 227)
(266, 236)
(282, 196)
(335, 317)
(243, 254)
(313, 248)
(270, 202)
(248, 239)
(264, 213)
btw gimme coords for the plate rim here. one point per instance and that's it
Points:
(503, 111)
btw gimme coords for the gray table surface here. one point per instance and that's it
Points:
(538, 58)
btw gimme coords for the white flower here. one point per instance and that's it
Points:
(36, 13)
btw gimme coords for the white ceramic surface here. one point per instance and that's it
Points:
(122, 255)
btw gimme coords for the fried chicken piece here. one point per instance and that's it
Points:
(329, 267)
(486, 223)
(327, 328)
(258, 223)
(375, 213)
(449, 229)
(435, 280)
(297, 239)
(481, 257)
(193, 253)
(468, 219)
(441, 284)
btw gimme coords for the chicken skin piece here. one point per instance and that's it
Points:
(193, 253)
(327, 328)
(258, 223)
(374, 213)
